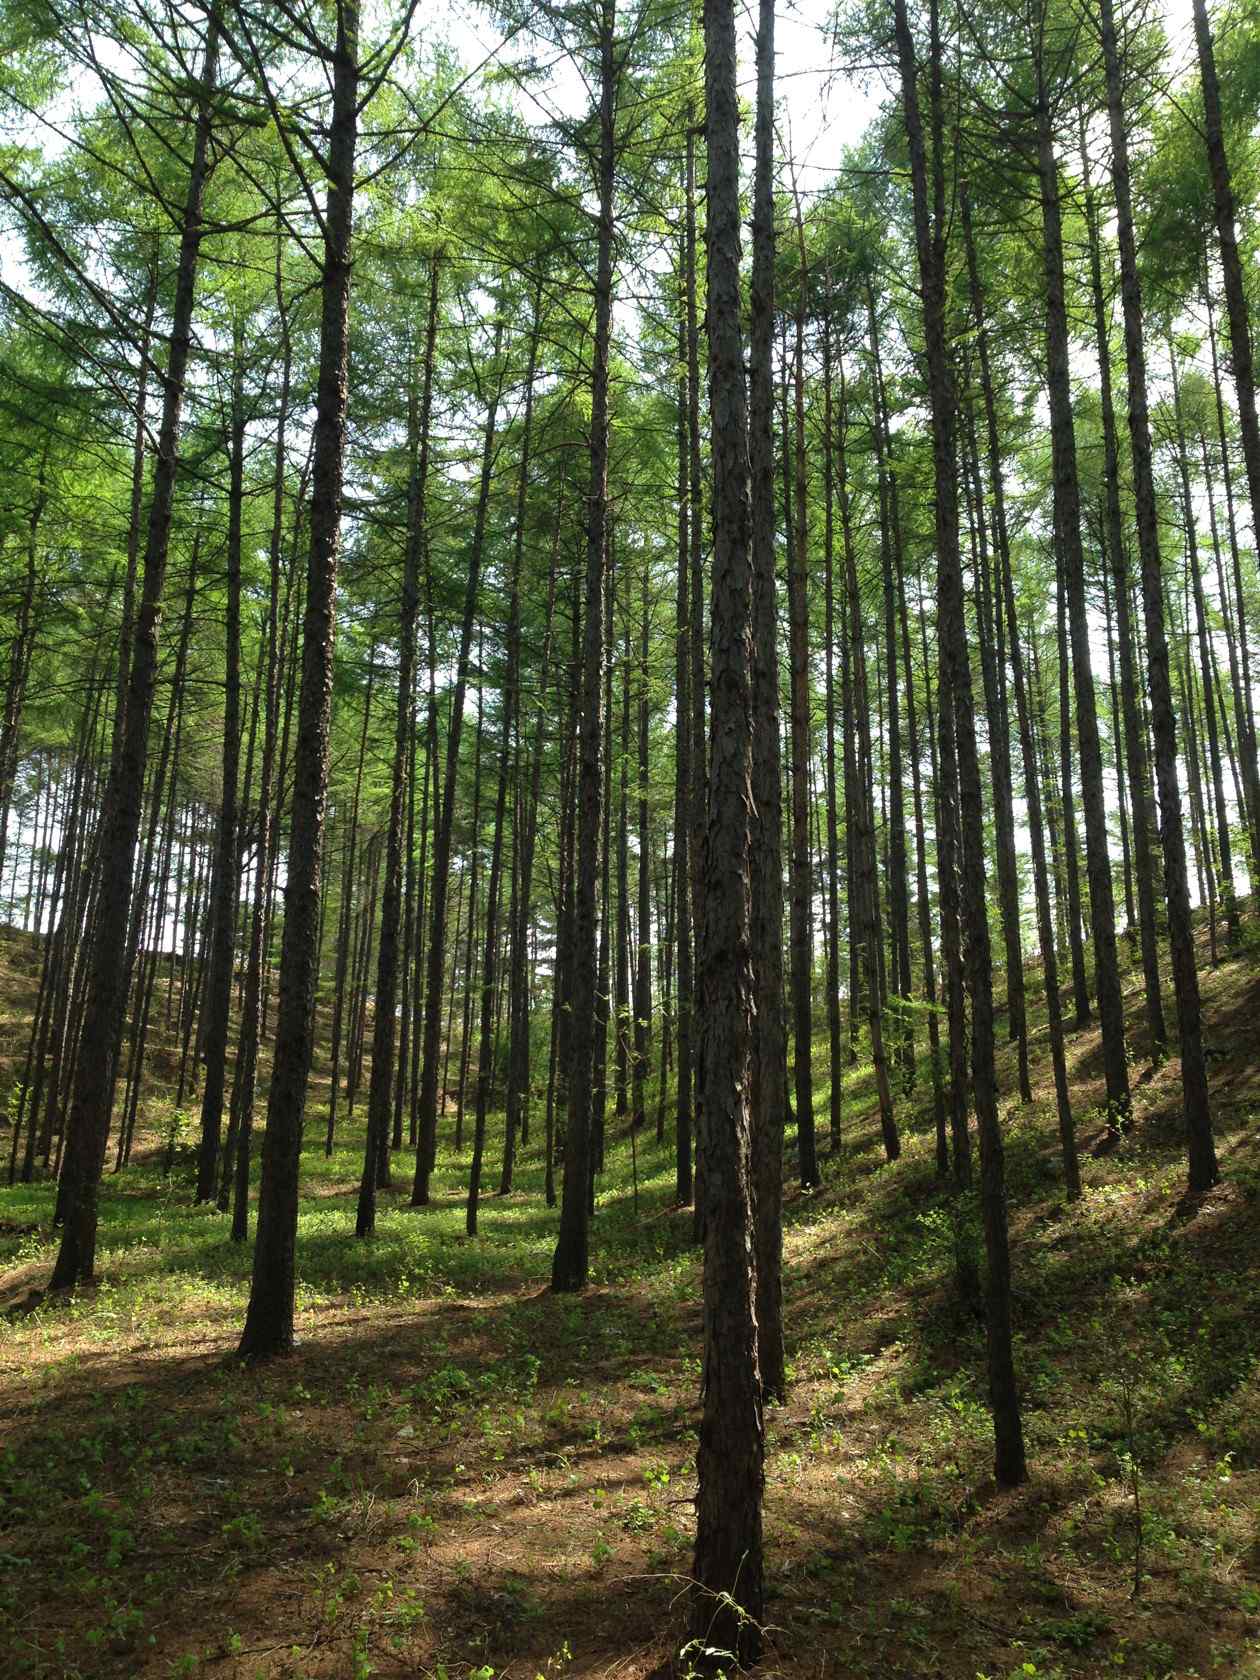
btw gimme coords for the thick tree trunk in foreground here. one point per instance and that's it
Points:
(727, 1565)
(269, 1319)
(769, 1090)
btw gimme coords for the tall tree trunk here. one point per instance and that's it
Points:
(227, 864)
(727, 1603)
(1145, 828)
(643, 952)
(930, 241)
(800, 923)
(1202, 1152)
(1068, 520)
(835, 1043)
(569, 1263)
(858, 811)
(682, 796)
(890, 559)
(1207, 672)
(380, 1092)
(1243, 708)
(269, 1319)
(769, 1048)
(88, 1125)
(426, 1145)
(510, 703)
(267, 814)
(1240, 340)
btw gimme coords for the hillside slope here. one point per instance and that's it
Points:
(460, 1473)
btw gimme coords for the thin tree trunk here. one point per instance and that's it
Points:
(426, 1146)
(1202, 1152)
(1068, 522)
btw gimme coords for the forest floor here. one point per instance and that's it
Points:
(460, 1476)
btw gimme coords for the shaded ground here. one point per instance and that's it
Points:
(458, 1472)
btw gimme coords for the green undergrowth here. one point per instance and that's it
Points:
(459, 1475)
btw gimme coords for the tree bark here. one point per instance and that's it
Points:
(570, 1261)
(269, 1318)
(731, 1455)
(88, 1124)
(1201, 1149)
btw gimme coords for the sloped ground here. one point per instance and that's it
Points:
(458, 1473)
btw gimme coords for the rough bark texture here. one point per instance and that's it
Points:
(269, 1319)
(770, 1048)
(731, 1456)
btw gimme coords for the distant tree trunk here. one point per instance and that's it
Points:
(435, 956)
(890, 558)
(1036, 834)
(1067, 803)
(510, 706)
(603, 976)
(1145, 828)
(1198, 809)
(1207, 673)
(22, 647)
(517, 1101)
(858, 814)
(380, 1092)
(993, 679)
(88, 1125)
(1068, 520)
(1117, 745)
(266, 817)
(227, 850)
(1243, 712)
(569, 1264)
(269, 1319)
(474, 882)
(622, 964)
(730, 1461)
(1202, 1151)
(643, 953)
(343, 987)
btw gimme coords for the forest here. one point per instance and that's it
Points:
(629, 837)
